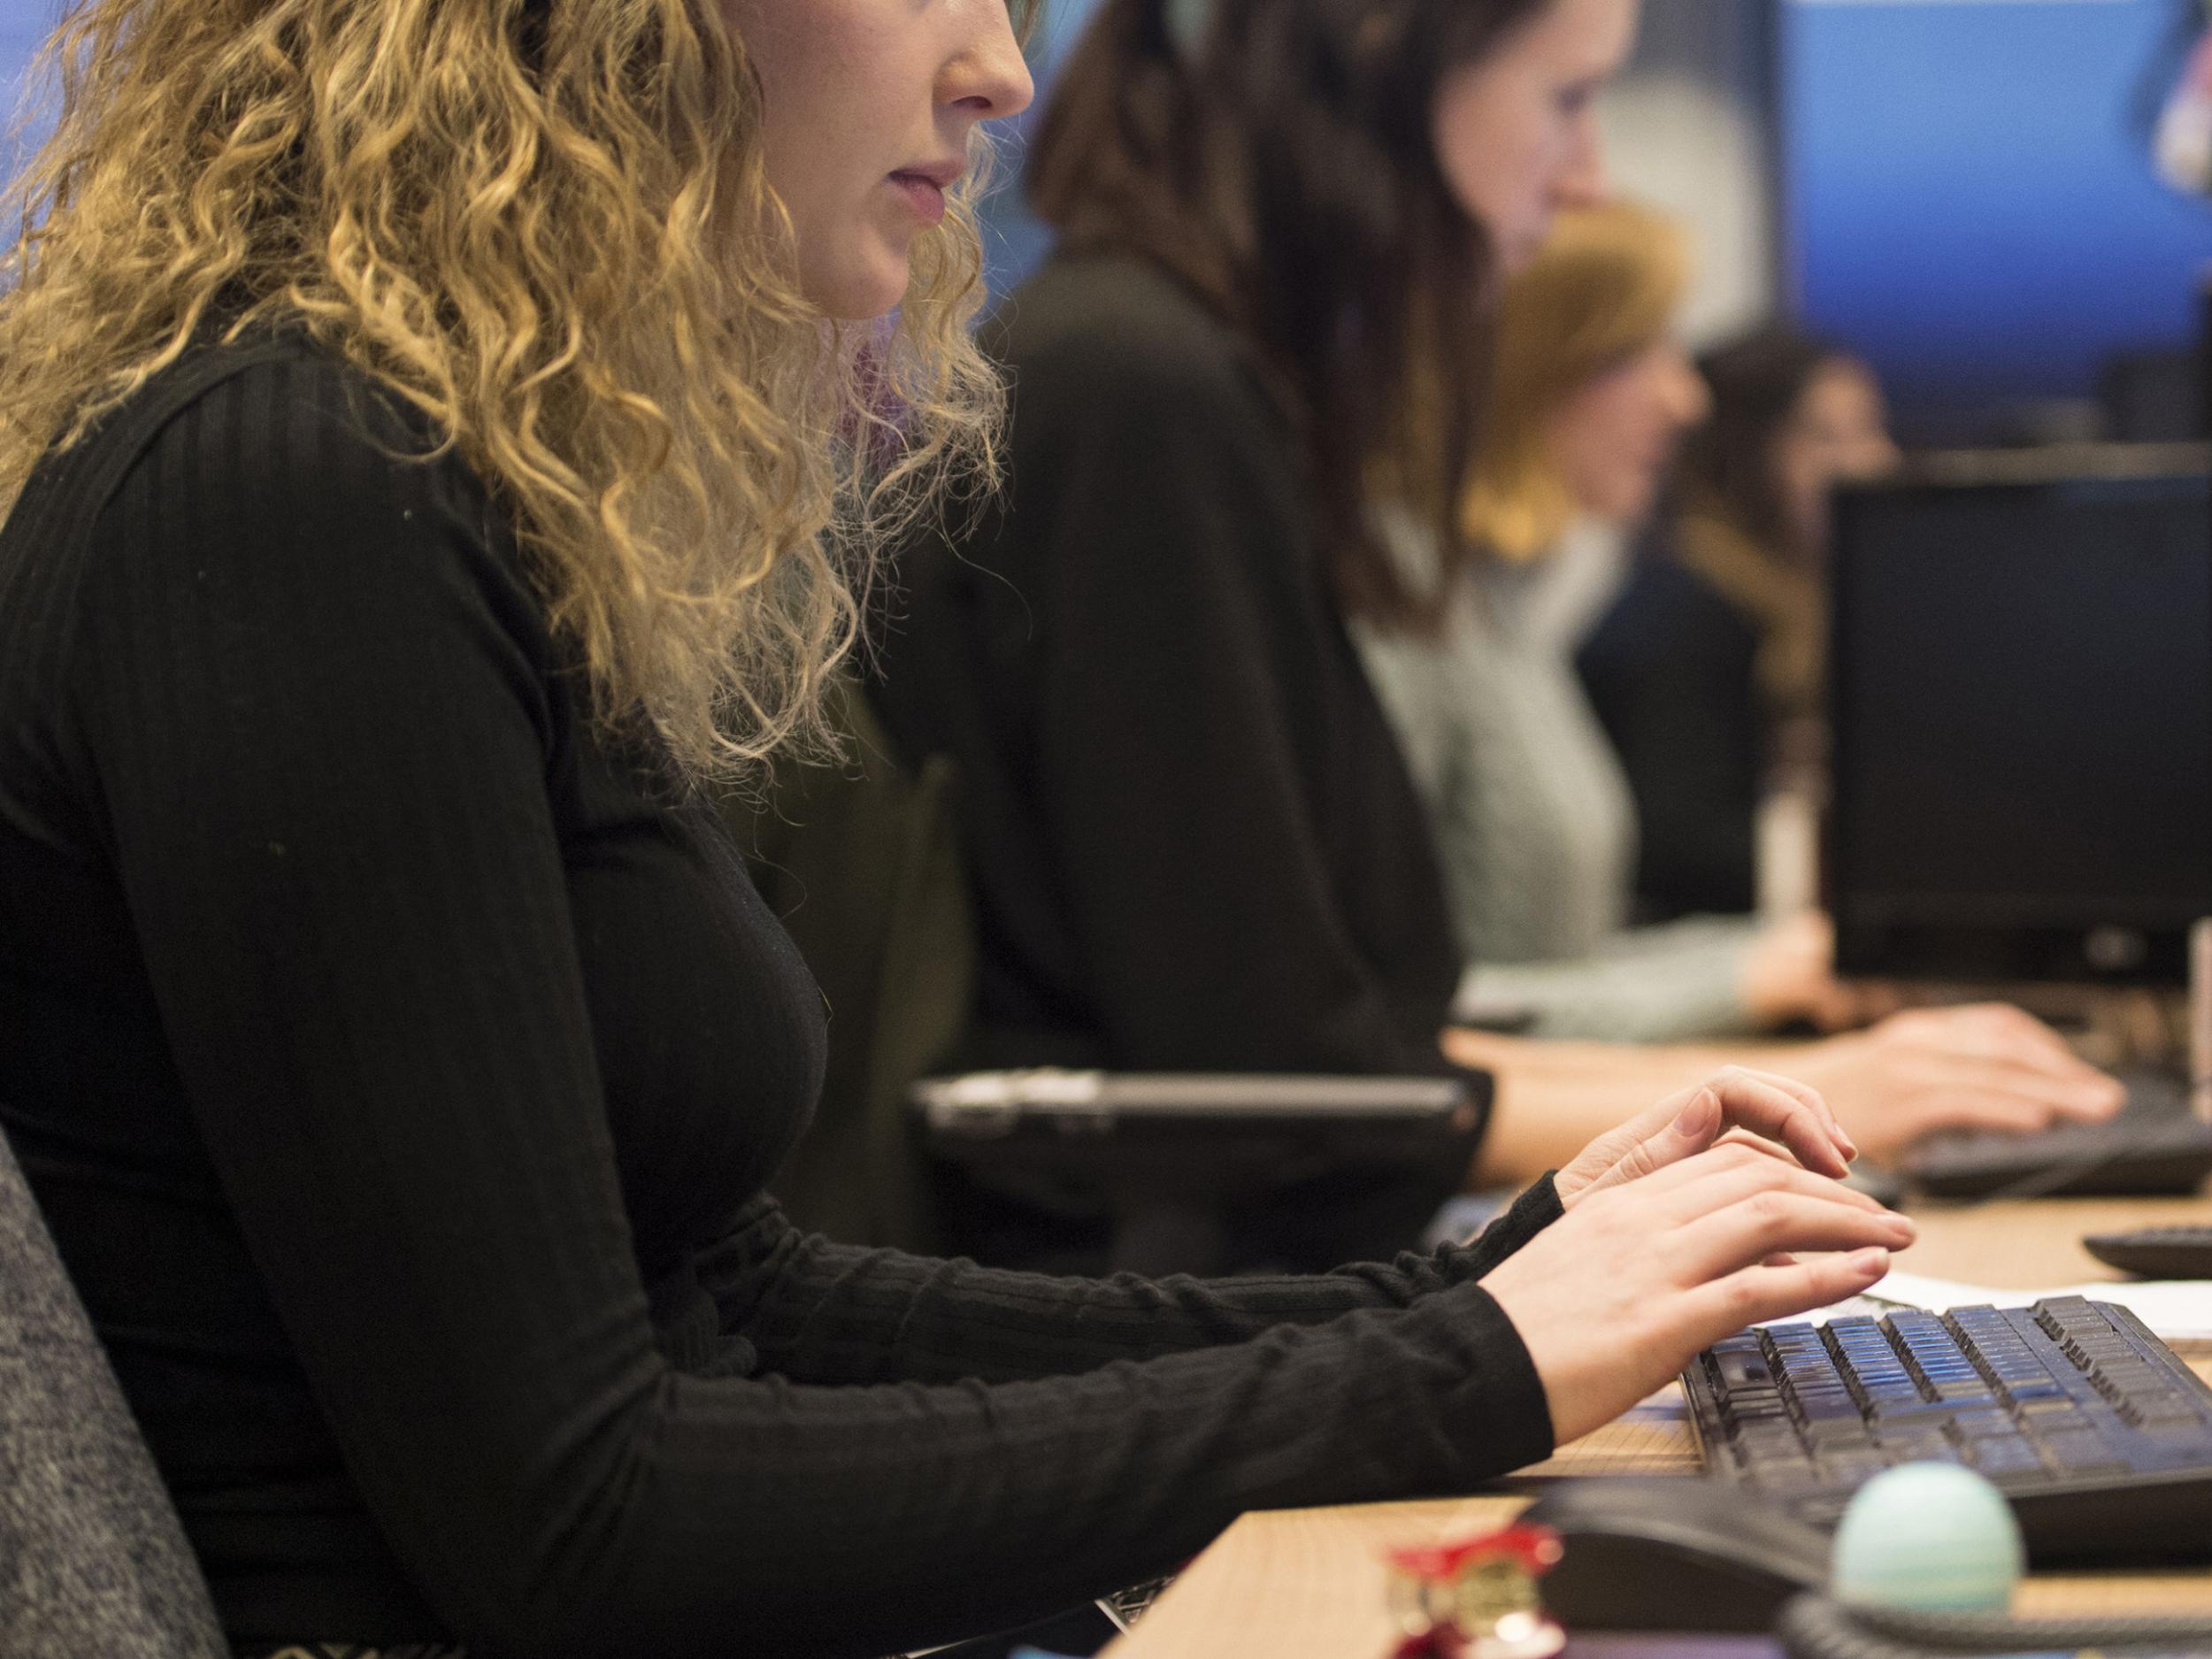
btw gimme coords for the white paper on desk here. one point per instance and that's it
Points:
(2176, 1309)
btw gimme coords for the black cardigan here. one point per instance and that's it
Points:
(1669, 670)
(400, 1078)
(1194, 840)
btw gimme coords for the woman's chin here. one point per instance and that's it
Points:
(862, 288)
(1622, 509)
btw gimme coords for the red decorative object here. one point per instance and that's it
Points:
(1536, 1548)
(1441, 1642)
(1475, 1598)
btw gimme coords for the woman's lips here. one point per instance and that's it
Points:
(925, 195)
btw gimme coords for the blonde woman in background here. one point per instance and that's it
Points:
(1590, 398)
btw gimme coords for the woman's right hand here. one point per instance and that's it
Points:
(1789, 975)
(1983, 1067)
(1613, 1299)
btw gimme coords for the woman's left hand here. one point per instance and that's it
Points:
(1778, 1116)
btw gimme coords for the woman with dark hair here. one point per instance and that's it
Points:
(1191, 840)
(1193, 837)
(1707, 671)
(439, 436)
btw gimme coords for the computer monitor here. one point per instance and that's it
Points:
(2021, 703)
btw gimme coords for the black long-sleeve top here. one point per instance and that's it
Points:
(1193, 840)
(1670, 671)
(400, 1074)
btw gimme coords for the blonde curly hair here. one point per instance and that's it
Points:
(547, 225)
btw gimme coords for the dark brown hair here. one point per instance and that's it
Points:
(1280, 161)
(1757, 382)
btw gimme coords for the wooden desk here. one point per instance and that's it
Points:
(1309, 1583)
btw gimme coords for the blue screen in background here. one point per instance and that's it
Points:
(1970, 197)
(23, 27)
(1014, 243)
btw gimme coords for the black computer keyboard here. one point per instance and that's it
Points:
(2156, 1252)
(2154, 1145)
(2098, 1434)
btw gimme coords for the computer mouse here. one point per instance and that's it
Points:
(1681, 1554)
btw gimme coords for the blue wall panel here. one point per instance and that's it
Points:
(1970, 196)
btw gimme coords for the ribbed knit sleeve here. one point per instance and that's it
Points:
(321, 716)
(823, 1312)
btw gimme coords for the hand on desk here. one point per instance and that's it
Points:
(1988, 1067)
(1928, 1068)
(1789, 975)
(1984, 1067)
(1675, 1237)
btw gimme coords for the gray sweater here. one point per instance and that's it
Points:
(1533, 821)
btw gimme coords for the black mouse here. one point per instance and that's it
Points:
(1684, 1554)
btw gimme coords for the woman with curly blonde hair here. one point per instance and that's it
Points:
(437, 434)
(538, 226)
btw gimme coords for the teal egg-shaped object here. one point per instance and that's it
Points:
(1929, 1536)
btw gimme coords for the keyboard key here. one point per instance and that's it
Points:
(2070, 1316)
(2120, 1379)
(1848, 1466)
(2004, 1455)
(1884, 1392)
(1906, 1408)
(1834, 1402)
(1939, 1452)
(1977, 1426)
(1838, 1435)
(2153, 1409)
(2080, 1451)
(1741, 1370)
(1756, 1412)
(1916, 1445)
(1962, 1390)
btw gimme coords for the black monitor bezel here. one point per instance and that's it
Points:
(2030, 940)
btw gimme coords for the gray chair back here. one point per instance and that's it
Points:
(92, 1560)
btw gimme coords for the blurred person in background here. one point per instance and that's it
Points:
(1589, 397)
(1191, 834)
(1708, 668)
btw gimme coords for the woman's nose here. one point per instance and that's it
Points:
(988, 80)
